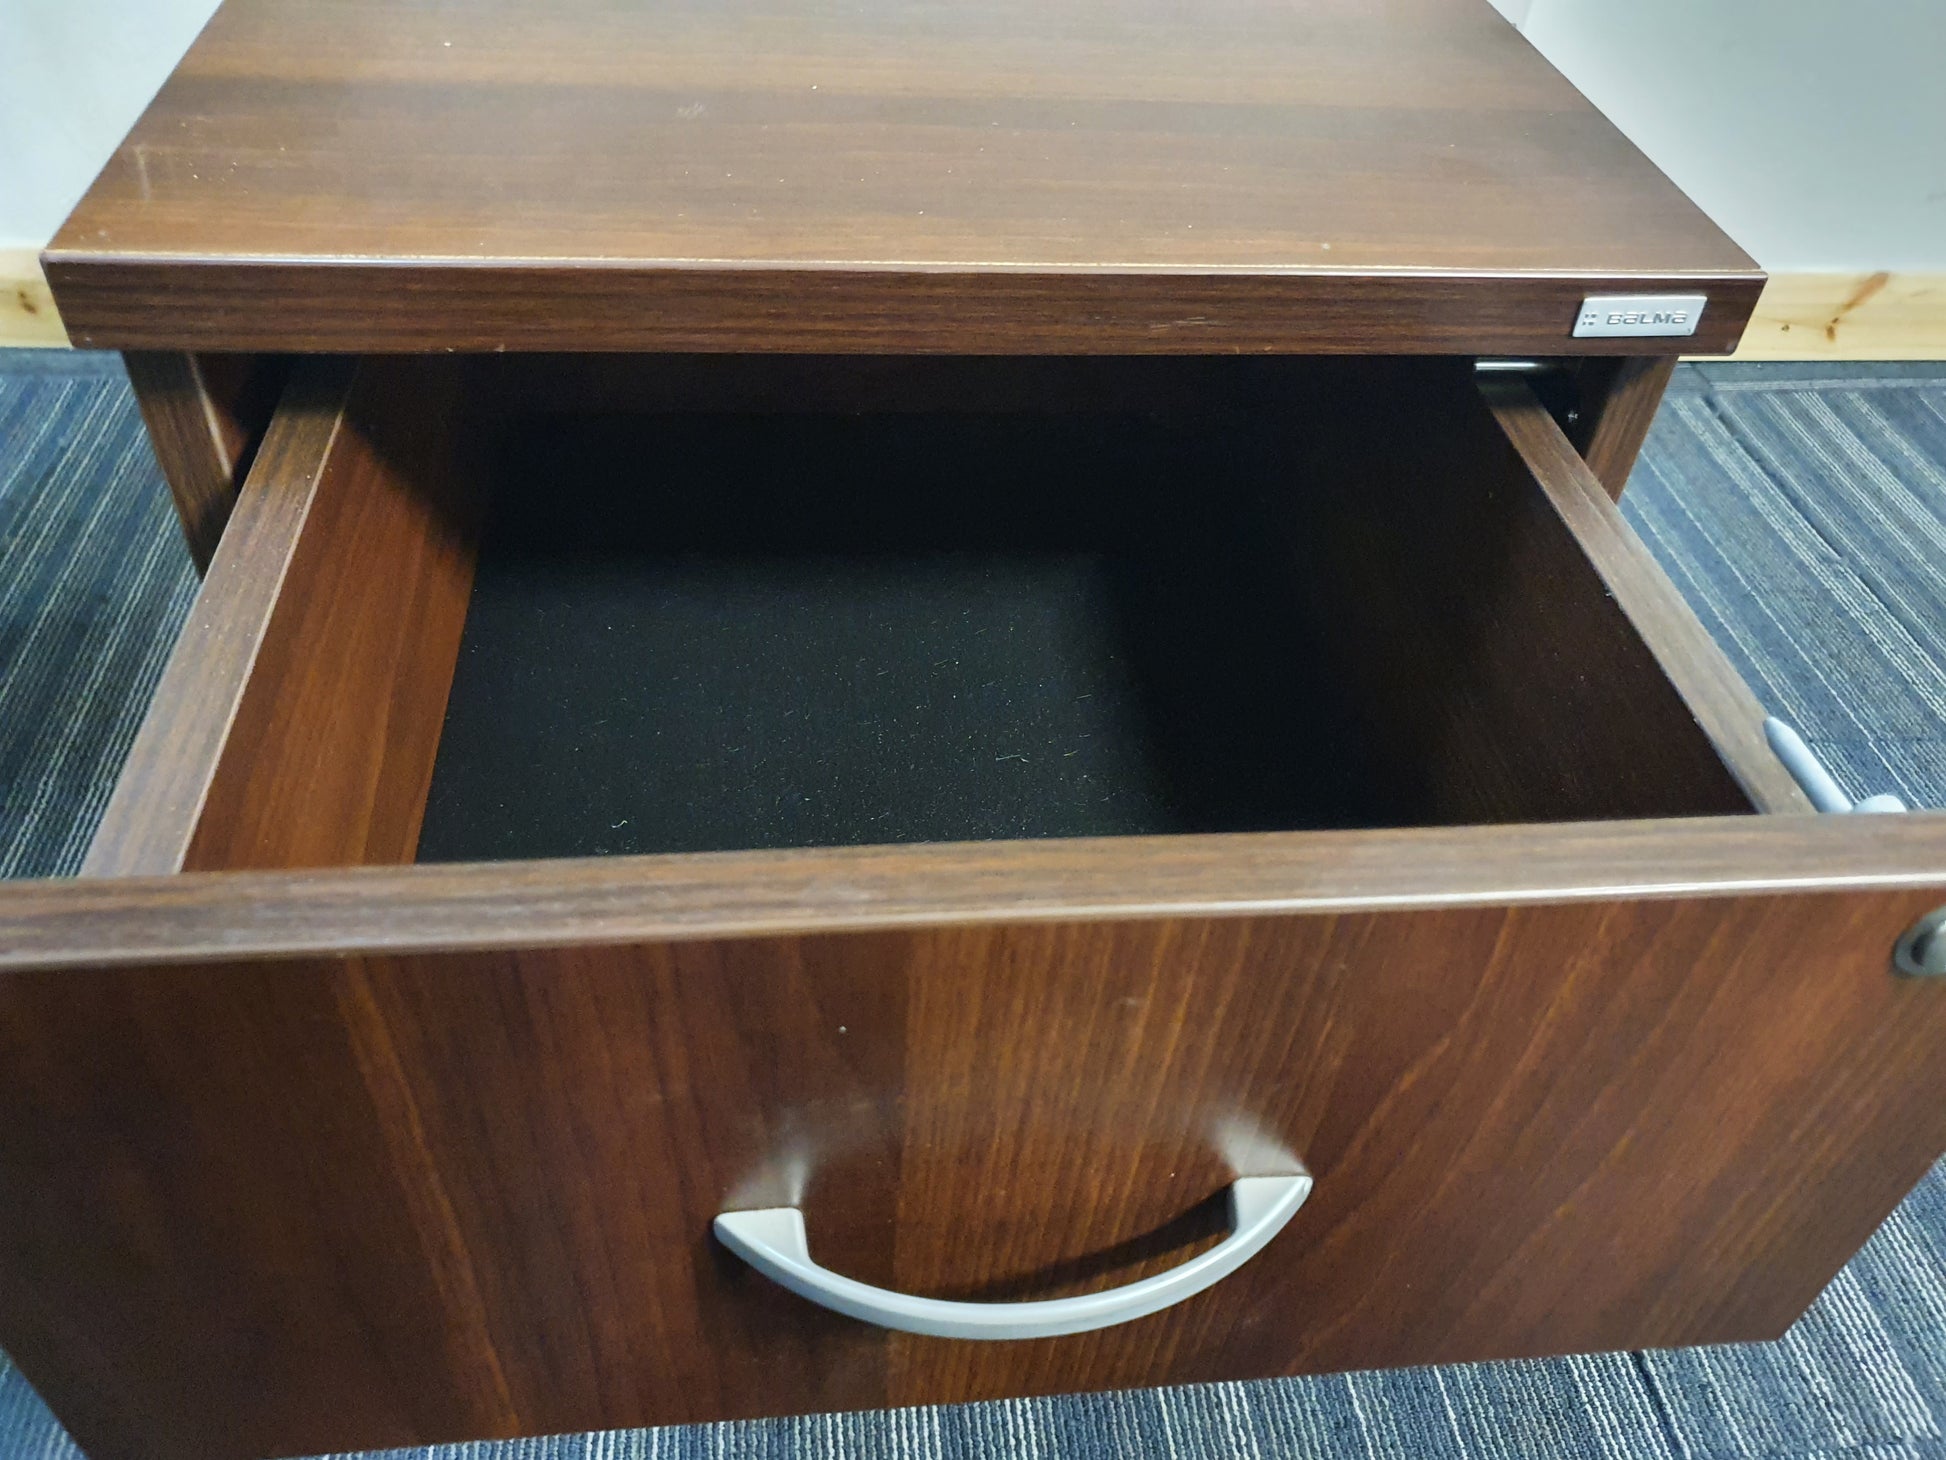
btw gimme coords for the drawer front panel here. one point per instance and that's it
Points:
(313, 1157)
(287, 1205)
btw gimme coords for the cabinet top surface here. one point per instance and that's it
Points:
(1227, 134)
(1254, 138)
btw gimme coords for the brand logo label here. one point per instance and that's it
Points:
(1623, 316)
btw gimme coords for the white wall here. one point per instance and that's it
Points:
(1814, 131)
(74, 76)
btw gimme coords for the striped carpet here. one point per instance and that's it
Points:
(93, 584)
(1801, 509)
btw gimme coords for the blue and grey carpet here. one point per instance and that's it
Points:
(1803, 512)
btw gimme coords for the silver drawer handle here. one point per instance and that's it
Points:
(773, 1242)
(1809, 773)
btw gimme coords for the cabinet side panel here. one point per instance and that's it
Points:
(331, 749)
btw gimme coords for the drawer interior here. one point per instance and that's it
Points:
(547, 609)
(706, 632)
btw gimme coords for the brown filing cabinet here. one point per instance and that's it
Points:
(967, 625)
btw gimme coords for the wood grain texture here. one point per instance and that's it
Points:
(1699, 671)
(331, 307)
(1619, 399)
(1881, 315)
(153, 811)
(297, 720)
(206, 416)
(28, 318)
(217, 917)
(522, 175)
(479, 1201)
(329, 753)
(1466, 612)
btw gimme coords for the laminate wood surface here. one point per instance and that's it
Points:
(327, 758)
(206, 416)
(1472, 609)
(159, 795)
(1619, 399)
(525, 175)
(394, 1198)
(500, 906)
(1711, 690)
(330, 307)
(297, 720)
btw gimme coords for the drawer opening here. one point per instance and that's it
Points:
(714, 632)
(531, 611)
(1250, 610)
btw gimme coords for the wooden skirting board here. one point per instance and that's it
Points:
(1883, 316)
(27, 315)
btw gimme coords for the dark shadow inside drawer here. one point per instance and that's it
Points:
(701, 631)
(709, 632)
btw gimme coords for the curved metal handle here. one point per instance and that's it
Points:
(1809, 773)
(773, 1241)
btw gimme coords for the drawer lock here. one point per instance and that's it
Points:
(1922, 951)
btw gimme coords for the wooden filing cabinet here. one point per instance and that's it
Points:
(918, 614)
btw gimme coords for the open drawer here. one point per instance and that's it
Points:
(986, 808)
